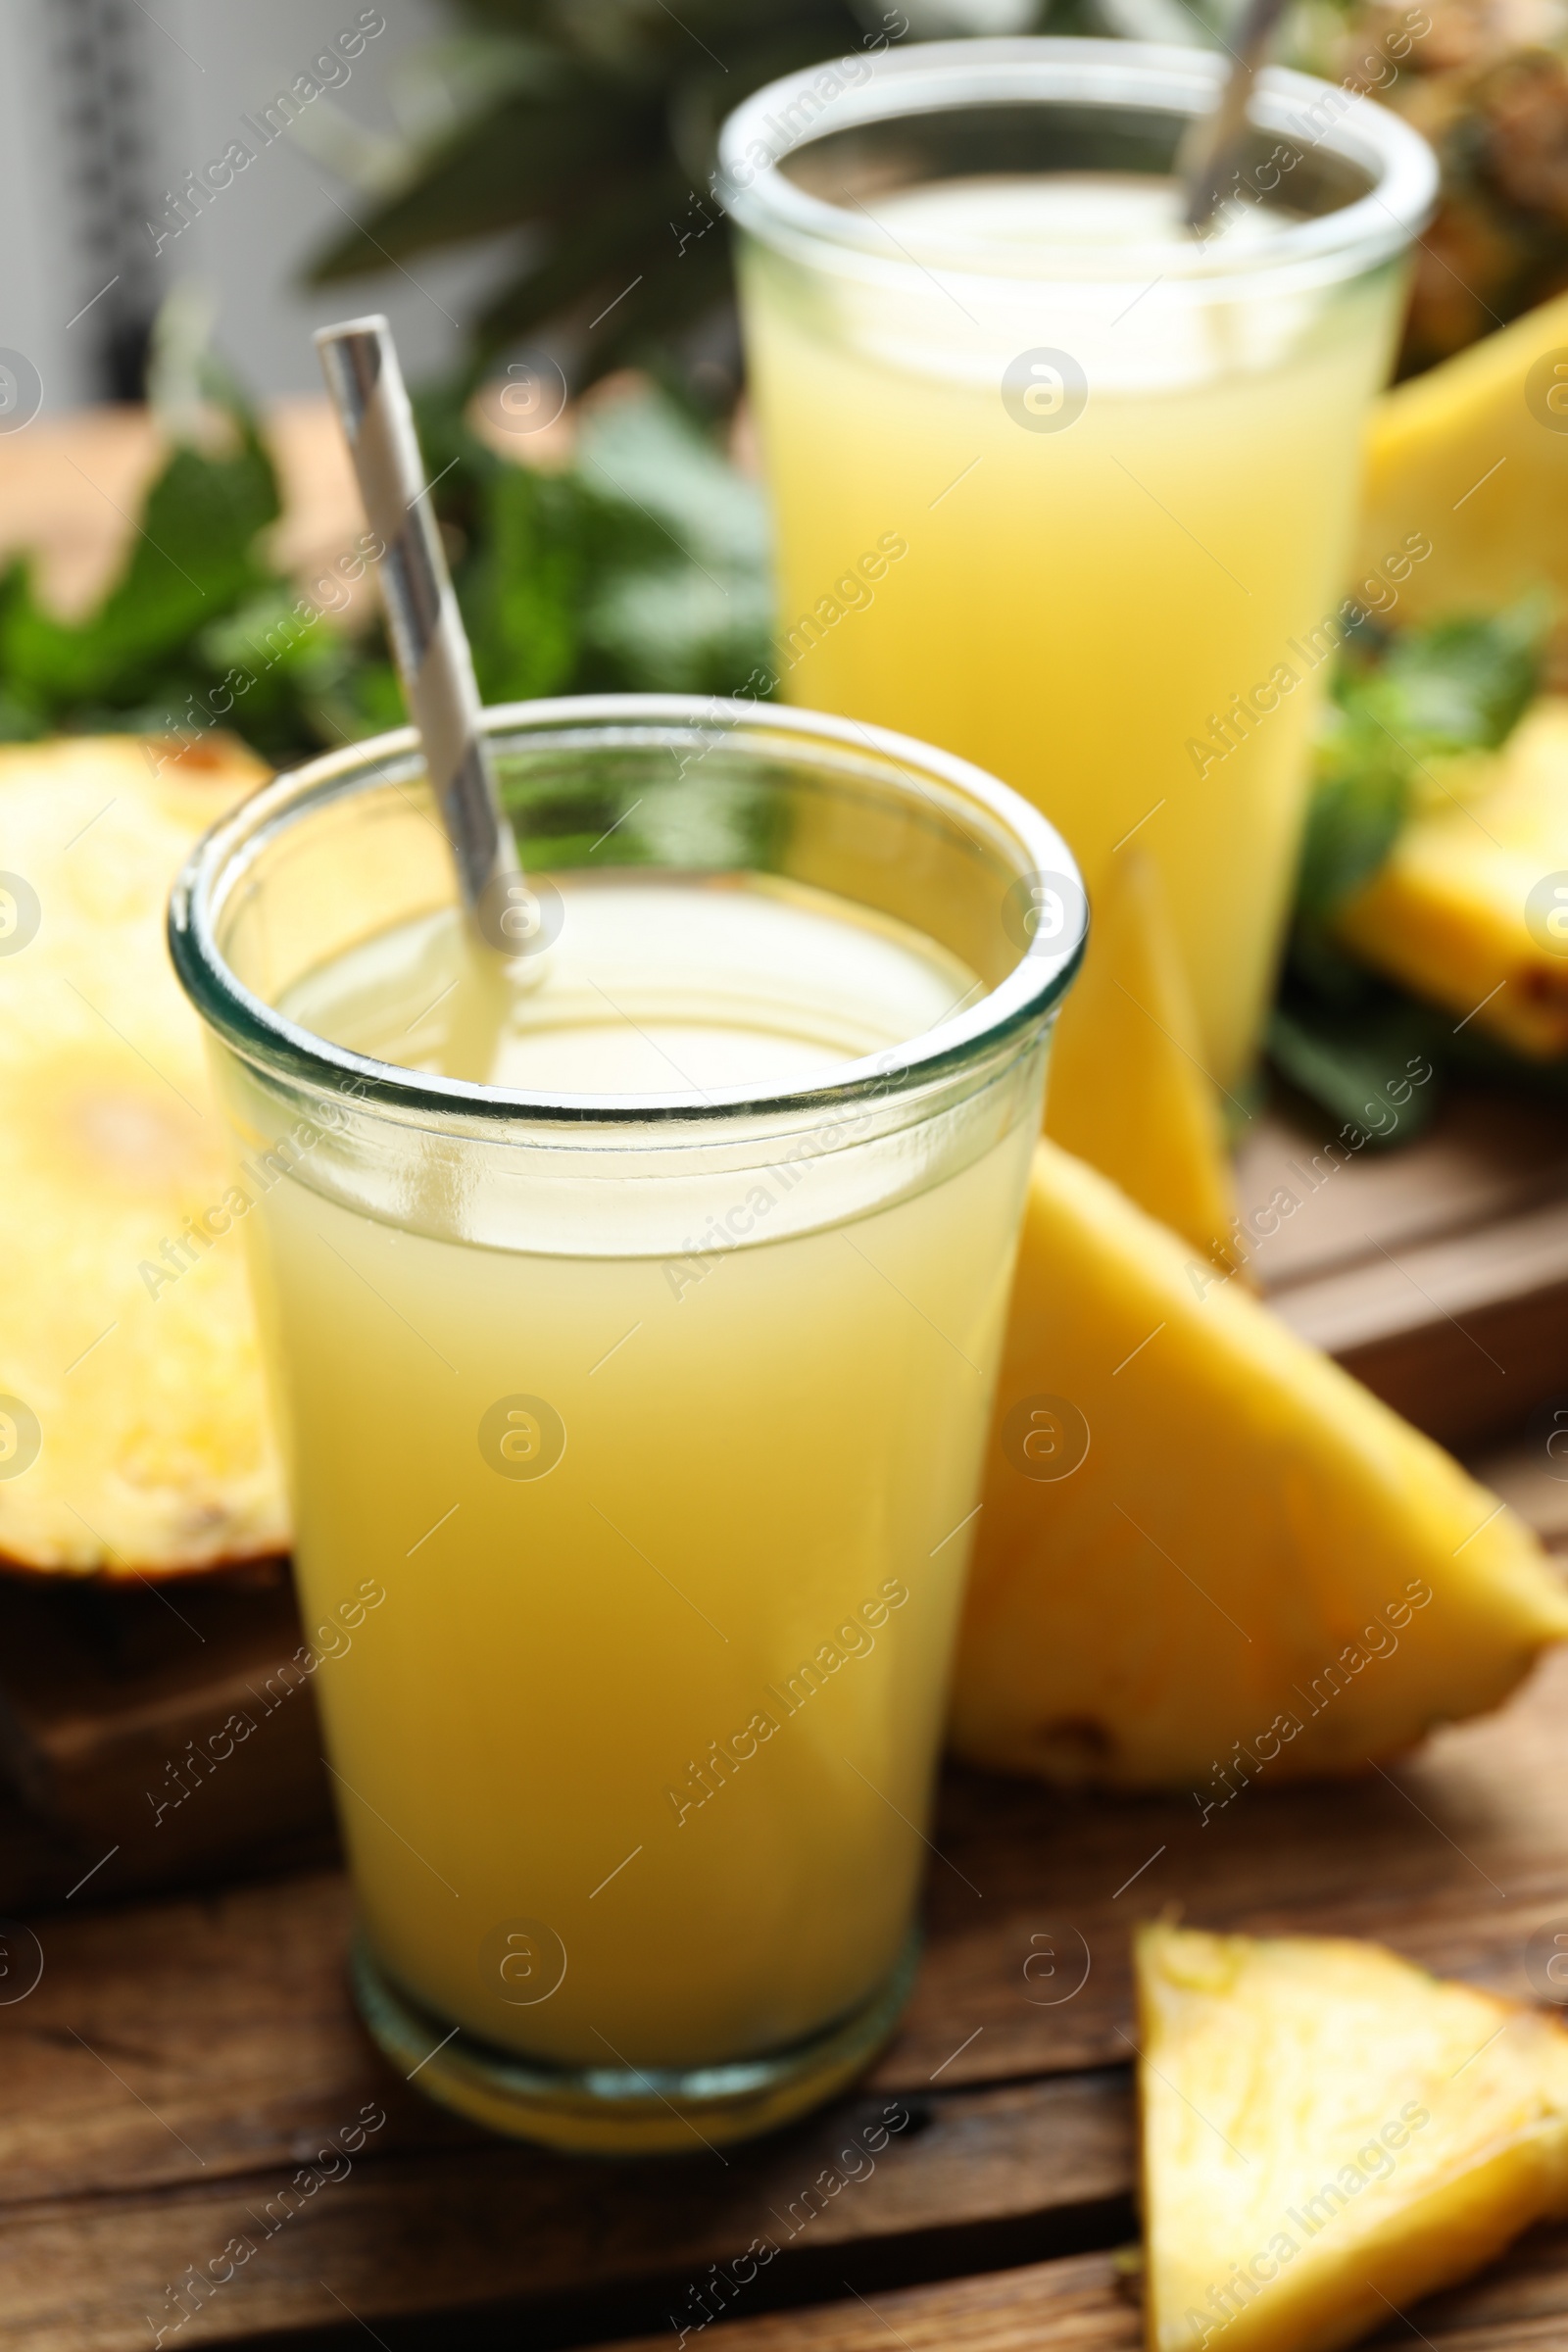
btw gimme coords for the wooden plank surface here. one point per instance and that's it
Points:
(1436, 1272)
(406, 2229)
(1077, 2305)
(180, 2060)
(1087, 2304)
(119, 1714)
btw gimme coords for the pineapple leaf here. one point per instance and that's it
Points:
(595, 139)
(535, 159)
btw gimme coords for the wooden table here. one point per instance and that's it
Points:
(181, 2061)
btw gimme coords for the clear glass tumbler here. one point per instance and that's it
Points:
(1057, 483)
(633, 1403)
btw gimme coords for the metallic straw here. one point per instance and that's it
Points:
(1215, 150)
(429, 644)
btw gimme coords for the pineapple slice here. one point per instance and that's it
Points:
(1470, 462)
(1471, 909)
(1329, 2132)
(1206, 1552)
(132, 1436)
(1155, 1128)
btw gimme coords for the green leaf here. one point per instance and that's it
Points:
(522, 594)
(536, 156)
(681, 602)
(646, 453)
(1464, 684)
(191, 559)
(1361, 793)
(597, 128)
(1340, 1035)
(1366, 1073)
(680, 632)
(1429, 694)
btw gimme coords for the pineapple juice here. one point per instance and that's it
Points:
(633, 1761)
(1105, 525)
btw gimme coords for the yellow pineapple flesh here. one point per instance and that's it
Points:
(1204, 1553)
(1128, 1092)
(133, 1432)
(1471, 461)
(1328, 2133)
(1471, 906)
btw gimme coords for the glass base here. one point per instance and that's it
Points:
(617, 2111)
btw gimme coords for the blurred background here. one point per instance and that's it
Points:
(109, 107)
(483, 169)
(191, 186)
(114, 113)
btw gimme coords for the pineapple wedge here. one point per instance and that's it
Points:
(133, 1434)
(1471, 907)
(1157, 1131)
(1470, 461)
(1204, 1553)
(1329, 2132)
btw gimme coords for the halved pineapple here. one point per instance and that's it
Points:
(1206, 1552)
(1127, 1090)
(132, 1433)
(1329, 2132)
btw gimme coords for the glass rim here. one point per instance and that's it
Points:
(260, 1034)
(1046, 70)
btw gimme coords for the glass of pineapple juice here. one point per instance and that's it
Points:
(632, 1386)
(1057, 483)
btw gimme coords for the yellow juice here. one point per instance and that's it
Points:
(670, 1506)
(1115, 603)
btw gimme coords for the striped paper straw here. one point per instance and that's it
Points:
(429, 642)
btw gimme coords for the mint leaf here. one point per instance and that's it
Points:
(1458, 686)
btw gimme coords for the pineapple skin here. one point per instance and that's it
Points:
(156, 1454)
(1157, 1131)
(1224, 2022)
(1448, 914)
(1256, 1567)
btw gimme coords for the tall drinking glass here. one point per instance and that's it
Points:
(633, 1392)
(1057, 483)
